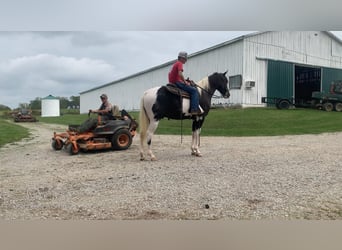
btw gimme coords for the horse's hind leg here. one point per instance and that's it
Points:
(142, 155)
(150, 131)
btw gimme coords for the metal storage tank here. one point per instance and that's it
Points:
(50, 106)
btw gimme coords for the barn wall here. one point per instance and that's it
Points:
(246, 56)
(301, 47)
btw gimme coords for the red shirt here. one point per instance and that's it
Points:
(174, 72)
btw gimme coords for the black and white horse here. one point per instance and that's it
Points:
(159, 102)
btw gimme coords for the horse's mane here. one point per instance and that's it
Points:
(204, 83)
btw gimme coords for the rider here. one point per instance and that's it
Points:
(176, 77)
(108, 112)
(105, 110)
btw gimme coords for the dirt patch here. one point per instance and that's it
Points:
(279, 177)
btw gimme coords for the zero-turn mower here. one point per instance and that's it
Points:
(93, 134)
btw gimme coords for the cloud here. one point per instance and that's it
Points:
(65, 63)
(28, 77)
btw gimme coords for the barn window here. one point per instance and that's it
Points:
(235, 82)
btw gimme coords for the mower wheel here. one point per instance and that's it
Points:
(57, 144)
(70, 148)
(121, 140)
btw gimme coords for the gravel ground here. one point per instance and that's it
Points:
(279, 177)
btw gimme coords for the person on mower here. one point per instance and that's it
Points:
(176, 77)
(105, 110)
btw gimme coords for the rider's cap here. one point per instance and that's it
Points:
(103, 96)
(183, 54)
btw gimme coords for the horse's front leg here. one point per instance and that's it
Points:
(195, 143)
(196, 131)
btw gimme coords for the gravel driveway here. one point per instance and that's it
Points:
(278, 177)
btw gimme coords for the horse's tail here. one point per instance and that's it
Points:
(144, 122)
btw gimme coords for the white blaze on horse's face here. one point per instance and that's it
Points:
(227, 94)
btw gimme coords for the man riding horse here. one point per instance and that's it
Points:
(176, 77)
(160, 102)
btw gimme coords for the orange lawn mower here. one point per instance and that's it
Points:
(94, 134)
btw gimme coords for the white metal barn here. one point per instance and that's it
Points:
(258, 64)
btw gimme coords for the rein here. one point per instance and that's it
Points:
(212, 94)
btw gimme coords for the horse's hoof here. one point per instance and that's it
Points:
(142, 159)
(196, 154)
(153, 158)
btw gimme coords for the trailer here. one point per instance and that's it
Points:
(319, 99)
(279, 102)
(329, 101)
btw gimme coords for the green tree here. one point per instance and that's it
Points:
(36, 103)
(64, 102)
(24, 105)
(4, 107)
(75, 101)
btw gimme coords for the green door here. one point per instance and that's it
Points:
(280, 79)
(328, 76)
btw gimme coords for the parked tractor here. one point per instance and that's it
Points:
(24, 115)
(329, 101)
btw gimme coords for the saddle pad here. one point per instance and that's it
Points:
(177, 91)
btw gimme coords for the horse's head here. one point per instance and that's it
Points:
(219, 82)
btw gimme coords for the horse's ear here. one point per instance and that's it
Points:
(225, 72)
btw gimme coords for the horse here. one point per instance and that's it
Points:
(158, 102)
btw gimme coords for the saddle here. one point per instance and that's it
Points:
(172, 88)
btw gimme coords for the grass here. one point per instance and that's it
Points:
(66, 119)
(241, 122)
(260, 122)
(11, 132)
(220, 122)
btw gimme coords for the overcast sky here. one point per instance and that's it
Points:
(37, 64)
(65, 47)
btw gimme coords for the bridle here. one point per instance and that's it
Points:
(211, 94)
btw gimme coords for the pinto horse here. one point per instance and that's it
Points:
(159, 102)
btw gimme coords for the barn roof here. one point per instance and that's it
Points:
(196, 54)
(171, 62)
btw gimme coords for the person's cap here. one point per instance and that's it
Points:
(183, 54)
(103, 96)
